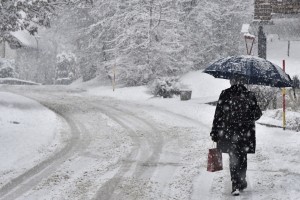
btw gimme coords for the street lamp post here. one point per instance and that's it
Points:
(251, 38)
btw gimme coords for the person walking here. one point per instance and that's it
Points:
(234, 129)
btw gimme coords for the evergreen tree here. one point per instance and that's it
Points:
(65, 68)
(24, 15)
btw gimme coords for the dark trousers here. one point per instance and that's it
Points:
(238, 166)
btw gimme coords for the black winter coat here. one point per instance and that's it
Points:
(226, 131)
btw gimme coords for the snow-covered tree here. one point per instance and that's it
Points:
(213, 29)
(39, 63)
(66, 69)
(165, 87)
(24, 15)
(66, 30)
(141, 40)
(296, 81)
(7, 68)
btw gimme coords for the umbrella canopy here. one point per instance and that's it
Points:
(257, 71)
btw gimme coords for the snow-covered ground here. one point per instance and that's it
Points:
(29, 134)
(127, 144)
(277, 50)
(273, 172)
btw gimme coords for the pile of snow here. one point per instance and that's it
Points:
(28, 134)
(204, 87)
(274, 117)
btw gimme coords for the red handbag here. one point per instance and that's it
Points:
(214, 162)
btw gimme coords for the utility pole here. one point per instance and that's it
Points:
(283, 101)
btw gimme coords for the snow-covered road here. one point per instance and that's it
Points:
(117, 149)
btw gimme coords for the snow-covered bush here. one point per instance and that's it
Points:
(296, 81)
(292, 117)
(88, 72)
(7, 68)
(165, 87)
(133, 75)
(66, 70)
(264, 95)
(293, 99)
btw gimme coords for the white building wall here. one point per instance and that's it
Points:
(6, 51)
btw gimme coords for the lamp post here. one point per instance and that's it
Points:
(251, 39)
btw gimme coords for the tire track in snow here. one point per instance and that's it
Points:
(26, 181)
(169, 112)
(135, 164)
(204, 192)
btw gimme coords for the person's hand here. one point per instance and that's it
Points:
(214, 137)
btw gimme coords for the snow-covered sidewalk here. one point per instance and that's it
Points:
(28, 134)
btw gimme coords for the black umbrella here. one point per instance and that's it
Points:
(255, 70)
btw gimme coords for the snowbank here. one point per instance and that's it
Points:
(274, 117)
(205, 88)
(28, 134)
(204, 85)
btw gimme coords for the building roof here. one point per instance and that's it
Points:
(24, 39)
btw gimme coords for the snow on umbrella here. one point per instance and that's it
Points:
(257, 71)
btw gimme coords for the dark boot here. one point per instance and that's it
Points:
(235, 192)
(235, 189)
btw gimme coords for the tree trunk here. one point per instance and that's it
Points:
(4, 49)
